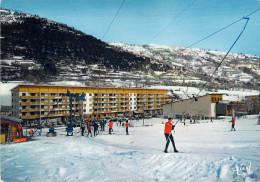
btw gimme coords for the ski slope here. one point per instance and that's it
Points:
(209, 152)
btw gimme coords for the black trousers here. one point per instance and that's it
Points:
(110, 130)
(82, 131)
(233, 127)
(126, 130)
(95, 132)
(169, 138)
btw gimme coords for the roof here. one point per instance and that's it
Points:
(10, 119)
(65, 86)
(198, 97)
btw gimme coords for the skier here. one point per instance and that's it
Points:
(168, 135)
(233, 124)
(89, 128)
(110, 127)
(82, 127)
(95, 128)
(104, 124)
(126, 126)
(31, 133)
(101, 124)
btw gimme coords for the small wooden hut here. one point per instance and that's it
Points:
(11, 129)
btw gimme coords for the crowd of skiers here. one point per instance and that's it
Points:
(100, 125)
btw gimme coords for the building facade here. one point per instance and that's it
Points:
(253, 104)
(200, 107)
(38, 102)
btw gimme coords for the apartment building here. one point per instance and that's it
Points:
(38, 102)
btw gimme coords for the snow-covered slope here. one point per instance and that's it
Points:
(197, 64)
(210, 153)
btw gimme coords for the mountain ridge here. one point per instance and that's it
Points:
(40, 50)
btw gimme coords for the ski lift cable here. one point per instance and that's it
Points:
(113, 19)
(222, 28)
(60, 100)
(175, 19)
(211, 76)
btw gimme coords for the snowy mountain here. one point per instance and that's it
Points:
(194, 64)
(39, 50)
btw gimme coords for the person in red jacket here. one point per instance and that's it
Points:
(31, 132)
(168, 135)
(110, 127)
(89, 128)
(126, 126)
(233, 124)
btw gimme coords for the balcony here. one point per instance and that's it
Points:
(141, 100)
(30, 103)
(30, 116)
(30, 97)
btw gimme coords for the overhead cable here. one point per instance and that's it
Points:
(222, 29)
(113, 19)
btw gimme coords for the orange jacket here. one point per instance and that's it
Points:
(168, 127)
(126, 125)
(233, 121)
(31, 132)
(111, 124)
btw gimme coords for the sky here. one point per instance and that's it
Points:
(164, 22)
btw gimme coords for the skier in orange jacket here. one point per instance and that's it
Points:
(233, 124)
(126, 126)
(89, 128)
(31, 132)
(168, 135)
(110, 127)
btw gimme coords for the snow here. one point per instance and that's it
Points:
(210, 153)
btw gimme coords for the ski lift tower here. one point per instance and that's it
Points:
(77, 97)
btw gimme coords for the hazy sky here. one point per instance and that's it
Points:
(145, 21)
